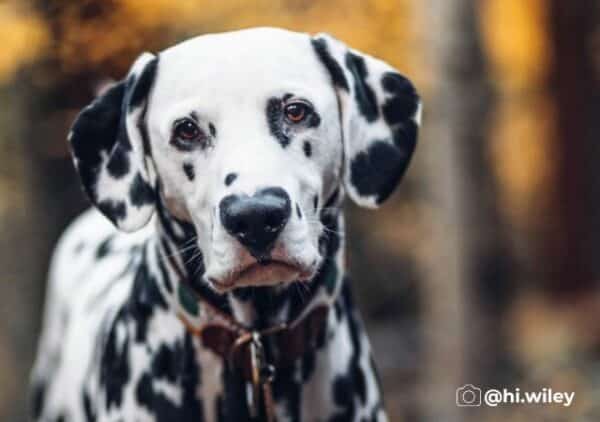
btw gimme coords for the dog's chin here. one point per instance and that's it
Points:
(271, 273)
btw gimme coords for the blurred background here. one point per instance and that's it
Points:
(481, 269)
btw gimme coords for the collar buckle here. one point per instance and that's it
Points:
(262, 373)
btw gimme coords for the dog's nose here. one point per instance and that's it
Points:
(256, 221)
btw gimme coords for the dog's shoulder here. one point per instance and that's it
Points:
(91, 246)
(92, 236)
(92, 273)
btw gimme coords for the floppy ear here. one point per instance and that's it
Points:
(108, 144)
(380, 114)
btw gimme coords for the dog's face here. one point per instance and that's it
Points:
(248, 135)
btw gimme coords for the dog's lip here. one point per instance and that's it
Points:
(252, 270)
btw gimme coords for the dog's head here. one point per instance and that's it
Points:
(248, 135)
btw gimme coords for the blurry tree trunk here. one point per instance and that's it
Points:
(50, 197)
(466, 274)
(575, 240)
(20, 262)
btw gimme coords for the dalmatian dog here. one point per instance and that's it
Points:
(217, 170)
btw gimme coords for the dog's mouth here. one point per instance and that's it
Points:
(268, 272)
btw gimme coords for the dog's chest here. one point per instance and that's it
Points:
(152, 368)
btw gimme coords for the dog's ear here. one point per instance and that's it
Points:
(109, 146)
(380, 114)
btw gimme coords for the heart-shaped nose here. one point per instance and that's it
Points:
(256, 221)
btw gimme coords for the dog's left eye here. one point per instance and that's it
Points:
(186, 133)
(297, 111)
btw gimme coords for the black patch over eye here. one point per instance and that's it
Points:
(297, 111)
(187, 135)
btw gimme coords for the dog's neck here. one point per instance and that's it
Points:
(253, 307)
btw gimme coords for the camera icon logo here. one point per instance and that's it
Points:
(468, 396)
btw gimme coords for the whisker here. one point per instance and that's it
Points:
(192, 258)
(182, 250)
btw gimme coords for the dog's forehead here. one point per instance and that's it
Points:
(239, 64)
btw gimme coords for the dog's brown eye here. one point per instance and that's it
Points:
(296, 112)
(186, 133)
(186, 129)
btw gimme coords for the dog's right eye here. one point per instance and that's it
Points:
(187, 134)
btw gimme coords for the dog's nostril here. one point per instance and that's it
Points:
(274, 220)
(240, 228)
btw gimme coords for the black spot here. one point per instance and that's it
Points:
(314, 120)
(94, 133)
(365, 97)
(316, 202)
(395, 83)
(275, 121)
(90, 414)
(405, 138)
(144, 391)
(114, 365)
(377, 170)
(308, 365)
(402, 105)
(140, 192)
(234, 388)
(335, 70)
(375, 372)
(104, 247)
(163, 272)
(331, 224)
(353, 383)
(230, 178)
(298, 211)
(118, 164)
(356, 373)
(343, 396)
(114, 210)
(144, 84)
(185, 374)
(212, 130)
(332, 199)
(188, 169)
(144, 300)
(38, 398)
(143, 128)
(399, 111)
(307, 148)
(287, 390)
(338, 311)
(164, 363)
